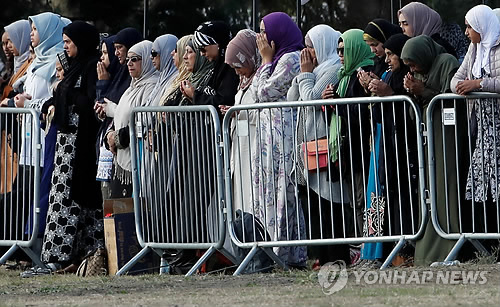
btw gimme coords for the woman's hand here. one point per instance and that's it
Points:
(380, 88)
(102, 72)
(328, 92)
(223, 109)
(266, 50)
(111, 141)
(466, 86)
(412, 85)
(20, 99)
(187, 89)
(307, 63)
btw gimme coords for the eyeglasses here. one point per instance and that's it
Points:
(133, 59)
(154, 54)
(340, 51)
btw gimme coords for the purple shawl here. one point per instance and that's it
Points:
(287, 37)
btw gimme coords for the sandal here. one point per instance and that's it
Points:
(38, 271)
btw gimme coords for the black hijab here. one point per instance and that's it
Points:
(86, 39)
(121, 81)
(114, 63)
(395, 44)
(380, 30)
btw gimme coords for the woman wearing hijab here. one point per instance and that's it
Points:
(319, 66)
(433, 68)
(184, 73)
(74, 219)
(279, 43)
(243, 56)
(376, 33)
(161, 54)
(19, 44)
(110, 93)
(391, 124)
(416, 19)
(354, 54)
(144, 78)
(189, 198)
(479, 72)
(211, 39)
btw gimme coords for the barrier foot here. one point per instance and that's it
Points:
(133, 261)
(454, 251)
(393, 254)
(9, 253)
(245, 261)
(202, 260)
(275, 258)
(34, 257)
(480, 247)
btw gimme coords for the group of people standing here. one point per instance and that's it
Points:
(85, 86)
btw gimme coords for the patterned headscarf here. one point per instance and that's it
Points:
(212, 33)
(242, 51)
(422, 19)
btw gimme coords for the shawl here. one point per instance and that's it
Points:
(433, 59)
(286, 35)
(50, 27)
(164, 45)
(137, 92)
(202, 70)
(19, 33)
(325, 41)
(422, 19)
(241, 52)
(483, 20)
(356, 54)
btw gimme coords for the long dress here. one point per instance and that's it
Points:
(275, 202)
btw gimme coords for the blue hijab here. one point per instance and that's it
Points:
(19, 33)
(50, 29)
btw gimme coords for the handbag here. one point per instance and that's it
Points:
(315, 154)
(94, 264)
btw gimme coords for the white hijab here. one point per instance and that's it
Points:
(325, 41)
(164, 45)
(19, 34)
(136, 93)
(483, 20)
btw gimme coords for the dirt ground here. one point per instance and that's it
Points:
(280, 288)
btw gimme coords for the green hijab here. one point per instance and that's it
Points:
(202, 70)
(356, 54)
(437, 65)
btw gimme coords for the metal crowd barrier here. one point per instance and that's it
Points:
(19, 182)
(272, 184)
(464, 207)
(178, 181)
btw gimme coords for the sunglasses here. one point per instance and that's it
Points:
(340, 51)
(133, 59)
(154, 54)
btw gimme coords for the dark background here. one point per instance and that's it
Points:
(182, 17)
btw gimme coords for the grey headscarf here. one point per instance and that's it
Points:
(19, 33)
(164, 45)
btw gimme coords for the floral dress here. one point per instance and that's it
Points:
(485, 163)
(275, 202)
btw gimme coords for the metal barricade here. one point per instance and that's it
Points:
(19, 182)
(463, 167)
(177, 180)
(282, 195)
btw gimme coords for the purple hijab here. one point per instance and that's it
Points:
(287, 37)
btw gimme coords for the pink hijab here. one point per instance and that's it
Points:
(242, 51)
